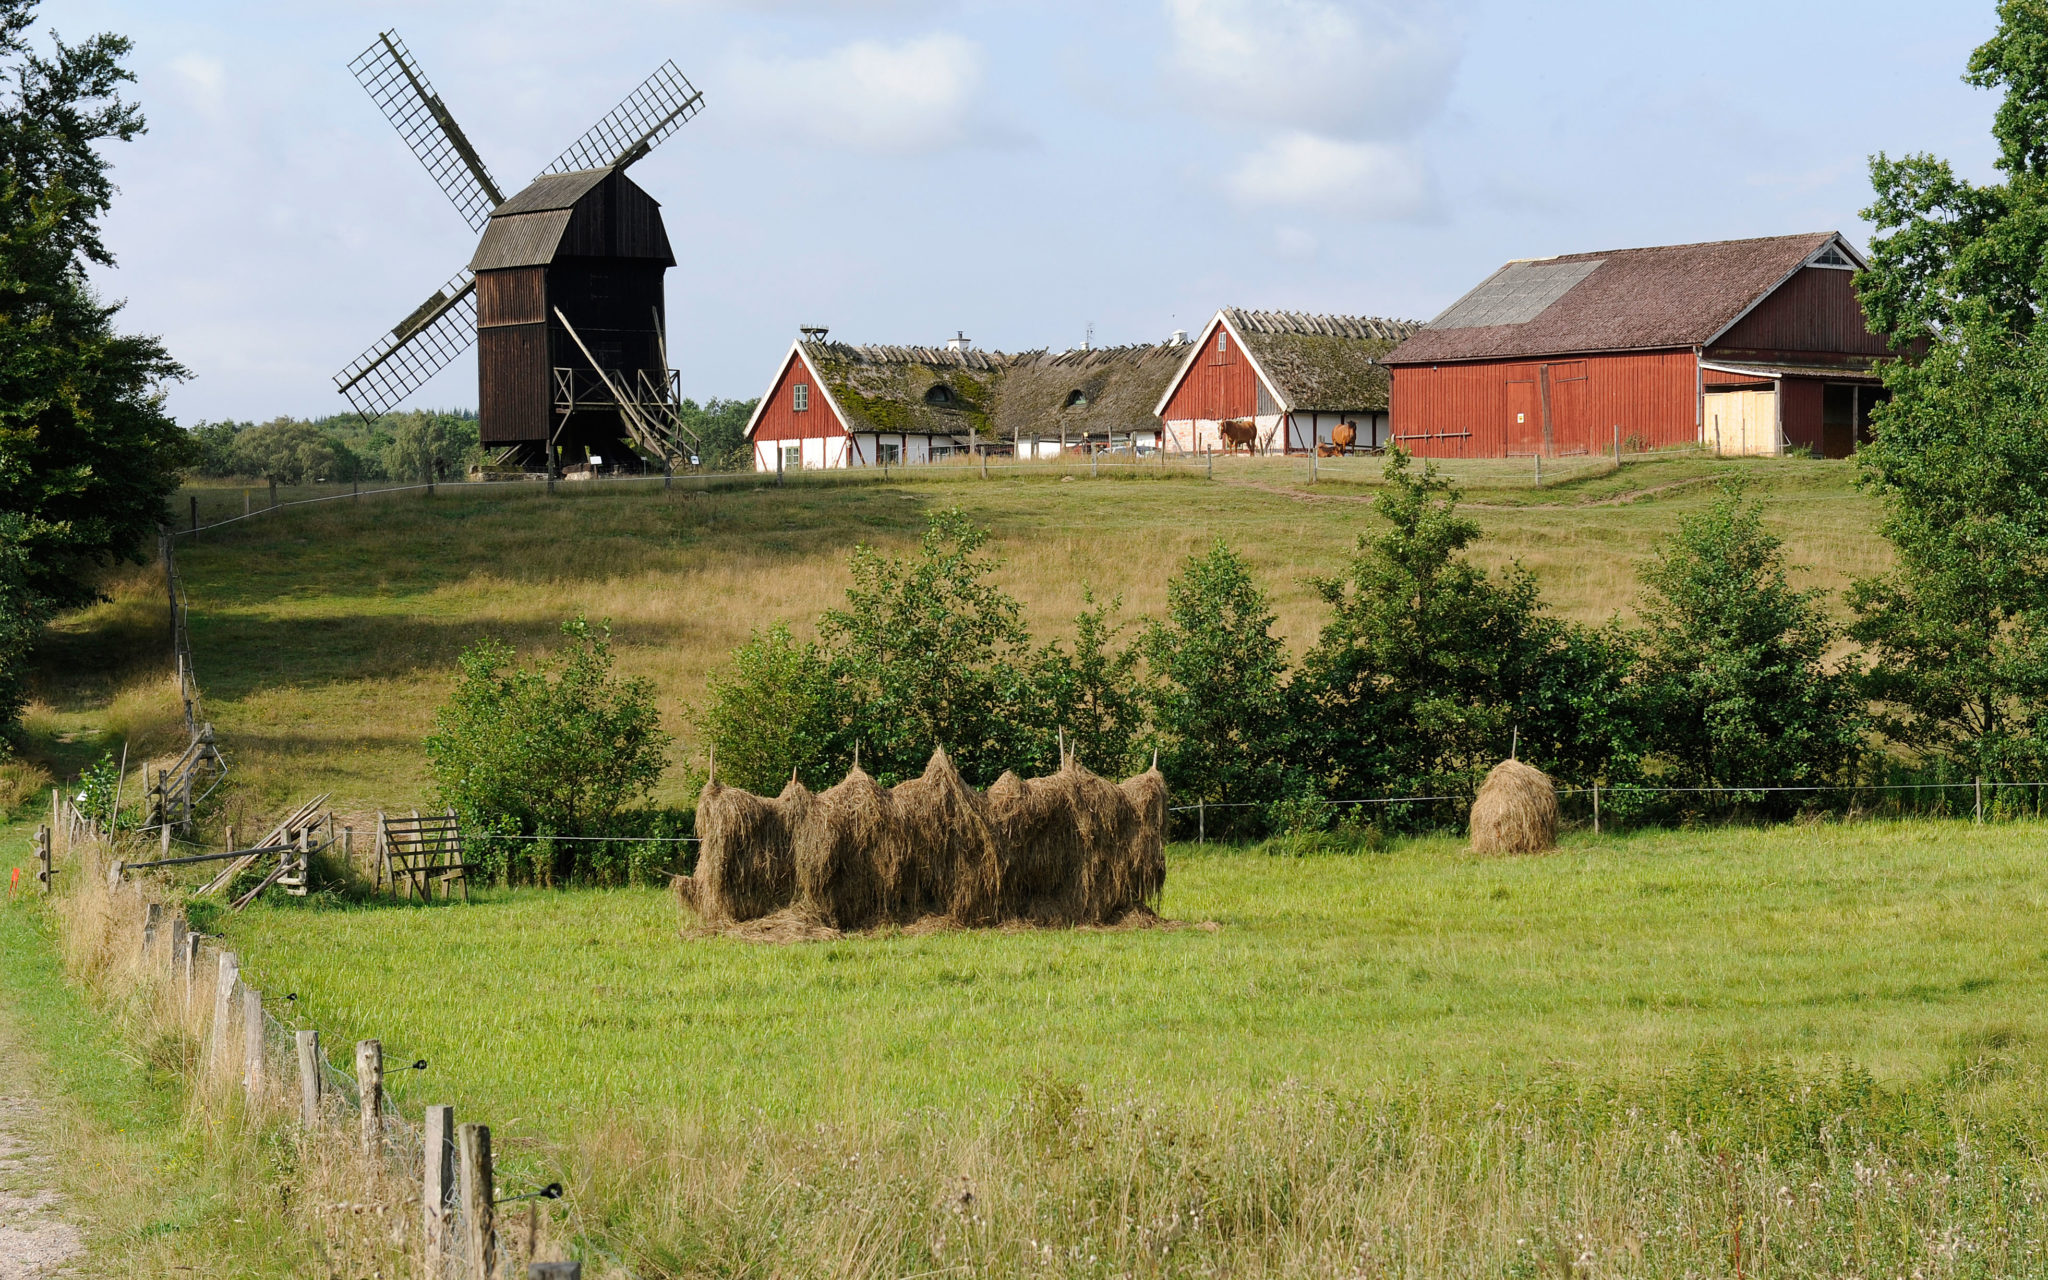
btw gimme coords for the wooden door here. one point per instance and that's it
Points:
(1525, 417)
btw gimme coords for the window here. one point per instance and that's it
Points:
(1222, 344)
(800, 397)
(1832, 256)
(940, 393)
(1076, 399)
(887, 454)
(792, 457)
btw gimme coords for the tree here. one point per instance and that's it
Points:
(1089, 696)
(561, 748)
(779, 713)
(87, 454)
(1734, 668)
(1955, 631)
(721, 427)
(931, 653)
(1218, 689)
(22, 615)
(430, 446)
(1430, 670)
(290, 452)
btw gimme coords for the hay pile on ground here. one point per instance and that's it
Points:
(1515, 812)
(1069, 849)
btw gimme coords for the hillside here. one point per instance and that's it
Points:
(325, 635)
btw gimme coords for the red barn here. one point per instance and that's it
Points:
(1746, 346)
(1296, 377)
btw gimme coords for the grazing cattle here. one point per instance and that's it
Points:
(1344, 435)
(1238, 431)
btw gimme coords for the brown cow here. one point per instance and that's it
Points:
(1238, 431)
(1344, 435)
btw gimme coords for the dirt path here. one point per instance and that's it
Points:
(35, 1238)
(1619, 500)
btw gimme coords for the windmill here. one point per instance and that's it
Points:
(563, 296)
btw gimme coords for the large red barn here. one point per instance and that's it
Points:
(1745, 346)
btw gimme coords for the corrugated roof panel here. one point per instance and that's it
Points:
(520, 240)
(1515, 294)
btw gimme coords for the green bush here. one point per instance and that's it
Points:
(1217, 691)
(780, 712)
(1734, 674)
(559, 749)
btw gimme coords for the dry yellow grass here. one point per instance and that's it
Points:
(326, 635)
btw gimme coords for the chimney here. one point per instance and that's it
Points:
(1180, 337)
(959, 341)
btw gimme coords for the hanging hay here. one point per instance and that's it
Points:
(1069, 849)
(1515, 812)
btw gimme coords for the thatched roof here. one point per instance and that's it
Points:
(891, 389)
(1001, 395)
(1091, 394)
(1326, 363)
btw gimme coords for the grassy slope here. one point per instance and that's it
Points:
(1894, 945)
(325, 635)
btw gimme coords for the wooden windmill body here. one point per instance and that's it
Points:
(564, 296)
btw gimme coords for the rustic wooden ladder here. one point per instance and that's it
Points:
(420, 852)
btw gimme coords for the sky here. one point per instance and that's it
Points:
(904, 170)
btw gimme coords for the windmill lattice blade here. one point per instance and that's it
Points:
(659, 107)
(418, 348)
(402, 93)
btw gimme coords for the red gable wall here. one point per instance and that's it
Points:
(1216, 387)
(779, 419)
(1814, 316)
(1468, 410)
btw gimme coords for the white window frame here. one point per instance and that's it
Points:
(1222, 343)
(793, 457)
(888, 452)
(800, 398)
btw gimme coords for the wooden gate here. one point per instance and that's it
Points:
(420, 852)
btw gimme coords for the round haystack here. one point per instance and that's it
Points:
(1516, 811)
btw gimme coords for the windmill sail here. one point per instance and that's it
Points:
(417, 348)
(402, 93)
(659, 107)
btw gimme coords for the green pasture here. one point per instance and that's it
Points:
(1898, 945)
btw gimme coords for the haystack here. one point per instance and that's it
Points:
(1515, 812)
(1069, 849)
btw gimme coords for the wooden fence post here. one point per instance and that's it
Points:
(273, 494)
(191, 962)
(223, 1007)
(175, 953)
(309, 1078)
(437, 1186)
(152, 917)
(1596, 808)
(480, 1245)
(252, 1045)
(1980, 802)
(370, 1091)
(43, 860)
(114, 874)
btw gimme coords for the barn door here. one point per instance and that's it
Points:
(1525, 417)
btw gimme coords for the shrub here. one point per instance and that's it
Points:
(1430, 670)
(561, 748)
(930, 652)
(1734, 676)
(290, 452)
(781, 711)
(430, 446)
(1089, 696)
(1218, 690)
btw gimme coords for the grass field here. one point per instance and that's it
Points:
(325, 635)
(1583, 1041)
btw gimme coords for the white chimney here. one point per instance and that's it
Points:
(1180, 337)
(959, 341)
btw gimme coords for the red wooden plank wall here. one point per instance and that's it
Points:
(780, 420)
(1463, 411)
(1217, 386)
(1813, 313)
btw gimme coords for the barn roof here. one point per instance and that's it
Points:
(1326, 363)
(1000, 395)
(1098, 392)
(1680, 295)
(890, 389)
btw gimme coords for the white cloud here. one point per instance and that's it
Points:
(1362, 68)
(203, 81)
(1359, 179)
(913, 96)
